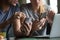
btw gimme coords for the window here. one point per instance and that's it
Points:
(53, 5)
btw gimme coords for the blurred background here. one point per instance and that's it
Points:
(54, 4)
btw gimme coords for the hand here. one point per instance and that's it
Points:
(42, 23)
(50, 16)
(19, 18)
(37, 25)
(20, 15)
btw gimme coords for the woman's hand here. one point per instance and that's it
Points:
(50, 17)
(37, 25)
(42, 23)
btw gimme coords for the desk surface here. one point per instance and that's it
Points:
(34, 39)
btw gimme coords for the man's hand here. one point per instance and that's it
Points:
(42, 23)
(19, 18)
(20, 15)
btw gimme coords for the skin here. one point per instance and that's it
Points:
(13, 2)
(17, 23)
(35, 4)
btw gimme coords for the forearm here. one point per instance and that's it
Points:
(22, 29)
(49, 21)
(17, 27)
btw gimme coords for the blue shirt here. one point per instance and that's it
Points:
(5, 16)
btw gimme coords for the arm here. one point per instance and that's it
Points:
(16, 27)
(50, 17)
(21, 28)
(17, 24)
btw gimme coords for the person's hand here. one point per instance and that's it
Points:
(50, 16)
(18, 19)
(42, 23)
(37, 25)
(20, 15)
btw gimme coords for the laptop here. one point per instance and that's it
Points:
(55, 30)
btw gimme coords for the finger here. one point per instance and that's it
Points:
(16, 13)
(22, 14)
